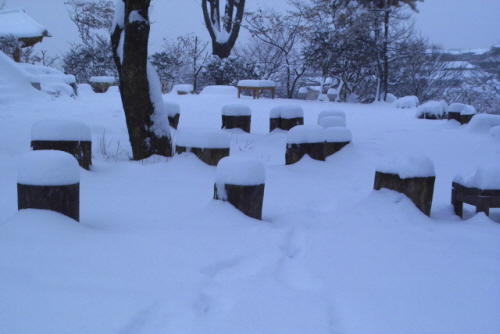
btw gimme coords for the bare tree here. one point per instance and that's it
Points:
(223, 29)
(281, 33)
(140, 89)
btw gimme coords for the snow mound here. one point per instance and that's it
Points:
(432, 110)
(482, 123)
(468, 110)
(487, 176)
(330, 121)
(220, 90)
(236, 110)
(495, 132)
(242, 171)
(408, 167)
(390, 98)
(406, 102)
(338, 134)
(203, 138)
(303, 134)
(55, 130)
(48, 168)
(172, 108)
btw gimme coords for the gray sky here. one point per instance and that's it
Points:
(464, 24)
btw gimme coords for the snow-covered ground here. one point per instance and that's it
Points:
(154, 253)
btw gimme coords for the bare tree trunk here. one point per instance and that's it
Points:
(146, 137)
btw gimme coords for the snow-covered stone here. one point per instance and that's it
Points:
(203, 138)
(240, 171)
(172, 108)
(291, 111)
(236, 110)
(330, 121)
(409, 167)
(60, 130)
(220, 90)
(406, 102)
(303, 134)
(486, 177)
(48, 168)
(256, 83)
(338, 134)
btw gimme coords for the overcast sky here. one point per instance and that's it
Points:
(462, 24)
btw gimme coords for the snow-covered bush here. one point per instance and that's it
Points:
(432, 110)
(406, 102)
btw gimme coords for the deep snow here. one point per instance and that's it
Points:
(154, 253)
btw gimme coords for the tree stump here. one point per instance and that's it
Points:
(291, 116)
(69, 136)
(332, 121)
(275, 118)
(305, 139)
(454, 115)
(49, 180)
(465, 118)
(209, 145)
(335, 139)
(210, 156)
(241, 182)
(418, 189)
(331, 112)
(100, 84)
(236, 116)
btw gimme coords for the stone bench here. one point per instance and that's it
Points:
(256, 86)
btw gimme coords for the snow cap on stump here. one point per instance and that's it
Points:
(303, 134)
(242, 171)
(291, 111)
(48, 168)
(328, 122)
(236, 110)
(331, 112)
(456, 107)
(203, 138)
(60, 130)
(172, 108)
(338, 134)
(409, 167)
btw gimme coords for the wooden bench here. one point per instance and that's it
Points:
(483, 200)
(256, 86)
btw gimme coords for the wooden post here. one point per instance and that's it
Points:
(236, 116)
(69, 136)
(295, 152)
(241, 181)
(209, 145)
(210, 156)
(291, 116)
(419, 189)
(53, 185)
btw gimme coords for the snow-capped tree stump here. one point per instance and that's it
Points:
(305, 139)
(69, 136)
(329, 113)
(102, 83)
(302, 93)
(275, 118)
(454, 110)
(241, 181)
(209, 145)
(174, 113)
(335, 139)
(236, 116)
(481, 190)
(332, 121)
(466, 114)
(332, 94)
(291, 115)
(414, 177)
(49, 180)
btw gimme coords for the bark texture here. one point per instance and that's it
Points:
(134, 85)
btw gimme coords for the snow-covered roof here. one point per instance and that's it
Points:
(17, 22)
